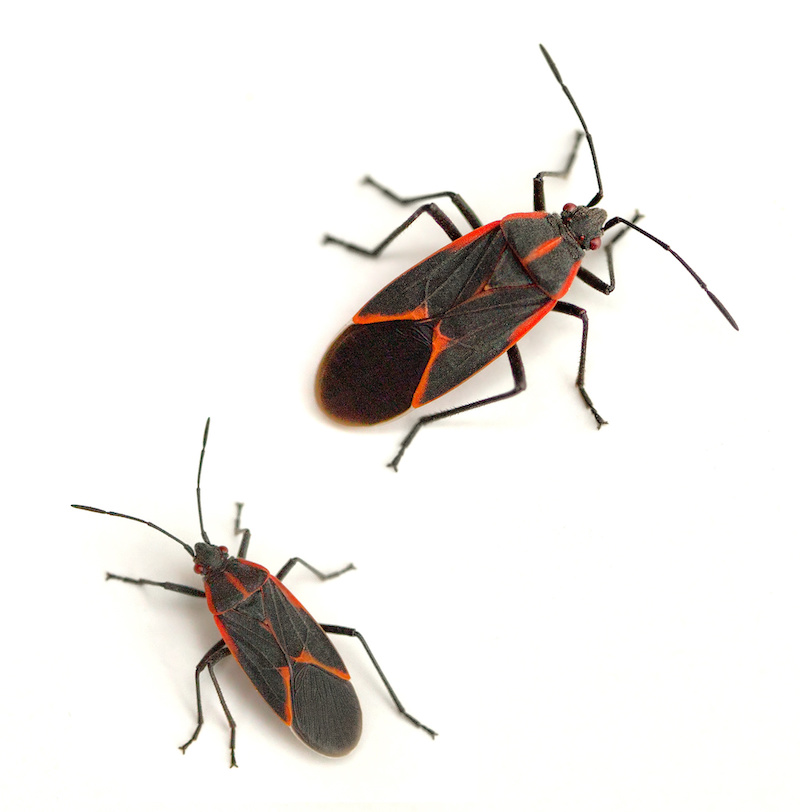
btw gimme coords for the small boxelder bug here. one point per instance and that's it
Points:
(468, 303)
(286, 654)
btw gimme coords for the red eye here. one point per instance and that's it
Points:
(594, 243)
(198, 568)
(570, 207)
(223, 550)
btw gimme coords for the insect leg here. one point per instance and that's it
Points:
(284, 570)
(518, 372)
(593, 280)
(241, 530)
(580, 313)
(441, 219)
(457, 200)
(290, 563)
(216, 653)
(184, 590)
(538, 181)
(344, 630)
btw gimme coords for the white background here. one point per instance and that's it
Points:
(591, 620)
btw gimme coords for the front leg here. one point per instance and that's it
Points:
(538, 181)
(184, 590)
(594, 281)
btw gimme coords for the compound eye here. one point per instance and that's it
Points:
(223, 550)
(199, 568)
(569, 207)
(594, 243)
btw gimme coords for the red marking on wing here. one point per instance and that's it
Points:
(382, 308)
(284, 672)
(418, 314)
(226, 637)
(286, 676)
(306, 657)
(440, 343)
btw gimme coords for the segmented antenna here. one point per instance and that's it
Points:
(142, 521)
(721, 307)
(599, 196)
(615, 220)
(200, 471)
(183, 544)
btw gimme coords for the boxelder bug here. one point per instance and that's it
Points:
(468, 303)
(286, 654)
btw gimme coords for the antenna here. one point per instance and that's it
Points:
(615, 220)
(142, 521)
(155, 526)
(721, 307)
(200, 471)
(599, 196)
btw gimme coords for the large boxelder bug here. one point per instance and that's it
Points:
(468, 303)
(286, 654)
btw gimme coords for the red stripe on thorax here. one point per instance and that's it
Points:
(526, 215)
(540, 250)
